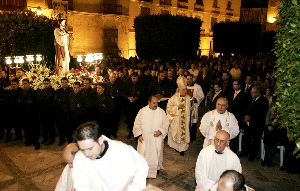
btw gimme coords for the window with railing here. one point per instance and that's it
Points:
(50, 3)
(229, 6)
(110, 39)
(213, 21)
(166, 2)
(198, 6)
(182, 4)
(13, 4)
(113, 7)
(165, 12)
(150, 1)
(215, 4)
(145, 11)
(199, 2)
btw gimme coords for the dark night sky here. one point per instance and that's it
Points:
(254, 3)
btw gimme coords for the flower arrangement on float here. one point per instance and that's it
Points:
(37, 73)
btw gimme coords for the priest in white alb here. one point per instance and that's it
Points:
(178, 113)
(151, 127)
(218, 119)
(103, 164)
(213, 160)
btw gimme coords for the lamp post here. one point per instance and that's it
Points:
(39, 11)
(8, 62)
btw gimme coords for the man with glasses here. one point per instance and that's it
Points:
(218, 119)
(213, 160)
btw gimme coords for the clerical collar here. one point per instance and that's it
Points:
(219, 153)
(104, 151)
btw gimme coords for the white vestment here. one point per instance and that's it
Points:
(210, 166)
(179, 132)
(120, 169)
(209, 122)
(199, 96)
(146, 122)
(62, 51)
(65, 182)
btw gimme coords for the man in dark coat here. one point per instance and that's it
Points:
(76, 108)
(46, 106)
(30, 115)
(237, 105)
(115, 90)
(256, 120)
(62, 101)
(15, 109)
(135, 95)
(104, 109)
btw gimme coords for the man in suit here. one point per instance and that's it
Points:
(237, 106)
(226, 84)
(204, 80)
(30, 119)
(135, 95)
(256, 118)
(247, 87)
(62, 102)
(217, 94)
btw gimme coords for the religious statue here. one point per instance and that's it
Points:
(62, 57)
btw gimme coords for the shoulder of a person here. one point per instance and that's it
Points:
(208, 148)
(79, 155)
(209, 113)
(232, 154)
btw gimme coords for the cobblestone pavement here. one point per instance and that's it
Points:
(22, 168)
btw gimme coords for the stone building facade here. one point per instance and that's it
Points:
(99, 25)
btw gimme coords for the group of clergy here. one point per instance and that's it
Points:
(152, 124)
(218, 126)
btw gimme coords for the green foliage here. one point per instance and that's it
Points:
(287, 50)
(236, 37)
(23, 32)
(167, 37)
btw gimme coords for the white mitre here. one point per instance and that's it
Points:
(181, 82)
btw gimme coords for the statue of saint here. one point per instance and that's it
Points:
(62, 57)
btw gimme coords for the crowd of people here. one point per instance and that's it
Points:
(221, 96)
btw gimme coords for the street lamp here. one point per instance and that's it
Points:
(39, 58)
(39, 11)
(8, 60)
(89, 58)
(79, 58)
(29, 58)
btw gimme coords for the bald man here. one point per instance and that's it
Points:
(213, 160)
(218, 119)
(231, 180)
(65, 182)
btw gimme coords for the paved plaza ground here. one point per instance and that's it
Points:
(24, 169)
